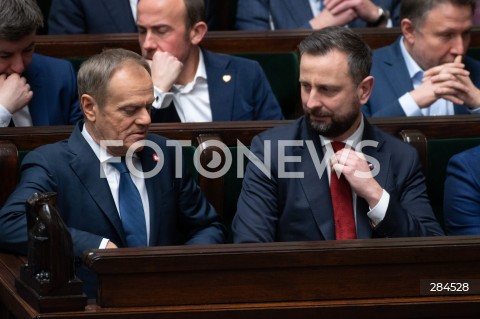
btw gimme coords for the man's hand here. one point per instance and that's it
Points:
(327, 19)
(15, 92)
(364, 9)
(442, 81)
(355, 168)
(110, 245)
(165, 70)
(454, 84)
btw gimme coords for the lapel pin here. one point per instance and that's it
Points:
(155, 157)
(370, 165)
(226, 78)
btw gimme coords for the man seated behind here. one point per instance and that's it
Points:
(116, 93)
(34, 89)
(426, 72)
(299, 189)
(194, 84)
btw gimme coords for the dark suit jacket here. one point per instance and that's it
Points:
(392, 81)
(293, 14)
(90, 17)
(246, 95)
(55, 95)
(179, 213)
(461, 209)
(300, 209)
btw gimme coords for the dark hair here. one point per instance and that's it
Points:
(95, 73)
(19, 18)
(416, 10)
(325, 40)
(195, 12)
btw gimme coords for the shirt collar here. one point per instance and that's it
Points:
(412, 66)
(200, 74)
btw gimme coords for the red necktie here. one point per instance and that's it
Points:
(342, 202)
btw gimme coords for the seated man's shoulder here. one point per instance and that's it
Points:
(45, 61)
(469, 156)
(288, 131)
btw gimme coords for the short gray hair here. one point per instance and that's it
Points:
(95, 73)
(19, 18)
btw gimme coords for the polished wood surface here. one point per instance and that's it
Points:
(85, 45)
(380, 278)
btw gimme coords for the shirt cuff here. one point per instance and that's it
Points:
(5, 116)
(162, 99)
(103, 243)
(475, 111)
(409, 106)
(377, 213)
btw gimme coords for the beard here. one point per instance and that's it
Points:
(337, 125)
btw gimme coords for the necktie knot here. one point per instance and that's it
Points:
(337, 146)
(121, 167)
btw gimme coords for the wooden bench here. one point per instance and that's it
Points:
(374, 278)
(85, 45)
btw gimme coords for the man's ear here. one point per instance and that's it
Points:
(408, 30)
(365, 89)
(198, 32)
(89, 107)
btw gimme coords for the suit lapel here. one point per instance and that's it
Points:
(395, 65)
(86, 166)
(148, 165)
(221, 87)
(299, 10)
(37, 105)
(315, 188)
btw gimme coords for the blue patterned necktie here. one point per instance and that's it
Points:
(131, 208)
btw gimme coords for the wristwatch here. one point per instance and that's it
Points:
(383, 16)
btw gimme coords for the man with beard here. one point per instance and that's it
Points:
(288, 192)
(425, 72)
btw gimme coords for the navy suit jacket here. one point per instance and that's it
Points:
(461, 209)
(179, 213)
(55, 95)
(293, 14)
(300, 209)
(392, 81)
(246, 94)
(90, 17)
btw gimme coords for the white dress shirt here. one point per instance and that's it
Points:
(377, 213)
(191, 101)
(20, 118)
(113, 178)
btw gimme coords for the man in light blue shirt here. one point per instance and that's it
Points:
(425, 72)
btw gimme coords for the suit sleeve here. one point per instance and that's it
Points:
(252, 15)
(36, 177)
(409, 213)
(66, 17)
(257, 208)
(462, 197)
(391, 109)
